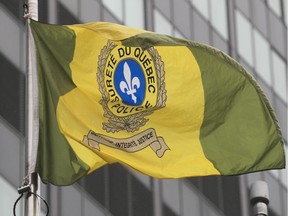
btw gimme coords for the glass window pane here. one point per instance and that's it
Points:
(95, 185)
(248, 68)
(275, 173)
(67, 17)
(91, 207)
(284, 171)
(244, 39)
(281, 114)
(285, 12)
(202, 7)
(259, 9)
(201, 28)
(211, 189)
(262, 57)
(244, 6)
(167, 211)
(161, 24)
(144, 179)
(115, 7)
(267, 90)
(11, 153)
(70, 5)
(142, 199)
(219, 17)
(181, 18)
(275, 5)
(11, 44)
(274, 194)
(134, 13)
(107, 16)
(164, 7)
(71, 201)
(277, 34)
(119, 194)
(178, 34)
(219, 43)
(12, 94)
(12, 6)
(280, 76)
(170, 190)
(8, 196)
(191, 200)
(231, 194)
(89, 11)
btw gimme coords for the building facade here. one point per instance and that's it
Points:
(252, 32)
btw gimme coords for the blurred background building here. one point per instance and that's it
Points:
(252, 32)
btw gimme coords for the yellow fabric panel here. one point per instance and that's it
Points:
(108, 31)
(178, 123)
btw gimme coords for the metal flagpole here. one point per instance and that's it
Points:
(32, 206)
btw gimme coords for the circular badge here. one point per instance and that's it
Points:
(131, 81)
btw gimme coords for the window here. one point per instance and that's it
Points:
(177, 34)
(219, 17)
(12, 94)
(144, 179)
(142, 198)
(134, 13)
(275, 6)
(12, 6)
(70, 7)
(130, 12)
(283, 173)
(219, 43)
(89, 11)
(262, 57)
(285, 12)
(171, 196)
(201, 28)
(202, 7)
(215, 12)
(13, 46)
(191, 200)
(181, 17)
(8, 196)
(161, 24)
(280, 76)
(119, 190)
(71, 201)
(244, 38)
(115, 7)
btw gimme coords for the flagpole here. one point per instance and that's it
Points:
(32, 206)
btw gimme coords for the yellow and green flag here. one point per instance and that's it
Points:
(163, 106)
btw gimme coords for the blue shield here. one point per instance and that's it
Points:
(129, 82)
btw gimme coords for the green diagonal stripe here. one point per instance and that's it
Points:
(54, 80)
(240, 132)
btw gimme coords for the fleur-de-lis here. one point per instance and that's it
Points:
(129, 86)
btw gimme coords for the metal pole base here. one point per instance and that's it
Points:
(32, 205)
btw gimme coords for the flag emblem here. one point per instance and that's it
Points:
(131, 81)
(128, 86)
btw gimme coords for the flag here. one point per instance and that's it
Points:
(166, 107)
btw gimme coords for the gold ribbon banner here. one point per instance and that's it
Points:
(131, 144)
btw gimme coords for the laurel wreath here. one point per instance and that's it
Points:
(132, 122)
